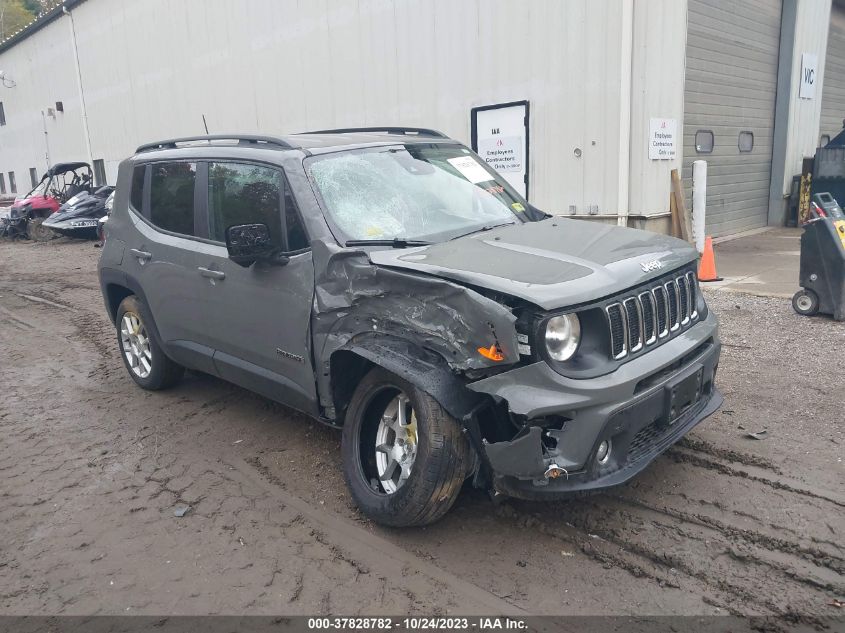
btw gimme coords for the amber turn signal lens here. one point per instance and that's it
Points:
(493, 353)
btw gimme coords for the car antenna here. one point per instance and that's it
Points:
(205, 124)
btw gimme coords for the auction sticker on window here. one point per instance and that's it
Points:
(470, 169)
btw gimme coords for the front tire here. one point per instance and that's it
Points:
(404, 458)
(144, 359)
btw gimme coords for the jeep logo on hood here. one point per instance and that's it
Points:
(654, 264)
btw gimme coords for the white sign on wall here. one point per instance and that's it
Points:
(502, 153)
(662, 135)
(807, 88)
(500, 136)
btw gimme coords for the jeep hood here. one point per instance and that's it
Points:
(554, 263)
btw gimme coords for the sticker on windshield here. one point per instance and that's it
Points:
(517, 206)
(470, 169)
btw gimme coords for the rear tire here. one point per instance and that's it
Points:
(143, 357)
(438, 451)
(37, 232)
(805, 302)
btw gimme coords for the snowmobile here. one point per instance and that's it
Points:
(79, 217)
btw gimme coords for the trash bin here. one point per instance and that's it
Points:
(822, 275)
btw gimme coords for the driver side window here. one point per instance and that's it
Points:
(240, 193)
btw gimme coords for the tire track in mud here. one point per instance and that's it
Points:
(681, 456)
(816, 556)
(701, 446)
(709, 563)
(737, 562)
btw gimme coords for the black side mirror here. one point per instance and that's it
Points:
(249, 243)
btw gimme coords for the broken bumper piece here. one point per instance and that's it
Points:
(615, 425)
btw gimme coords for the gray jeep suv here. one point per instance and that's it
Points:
(389, 283)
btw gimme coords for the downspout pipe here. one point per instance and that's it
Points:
(85, 130)
(625, 97)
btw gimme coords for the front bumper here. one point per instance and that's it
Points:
(628, 407)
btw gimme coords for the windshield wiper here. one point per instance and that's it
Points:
(486, 227)
(396, 242)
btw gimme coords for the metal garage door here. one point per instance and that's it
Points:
(731, 81)
(833, 87)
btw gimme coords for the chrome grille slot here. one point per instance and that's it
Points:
(651, 314)
(618, 331)
(692, 283)
(683, 296)
(672, 301)
(634, 317)
(649, 324)
(662, 306)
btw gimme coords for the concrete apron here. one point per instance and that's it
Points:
(763, 263)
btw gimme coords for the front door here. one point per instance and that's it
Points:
(259, 316)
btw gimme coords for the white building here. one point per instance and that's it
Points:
(94, 79)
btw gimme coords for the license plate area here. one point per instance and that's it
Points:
(682, 393)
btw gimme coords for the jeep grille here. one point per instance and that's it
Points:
(644, 318)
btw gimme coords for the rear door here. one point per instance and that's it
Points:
(259, 317)
(162, 256)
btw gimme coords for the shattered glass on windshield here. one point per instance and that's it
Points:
(411, 193)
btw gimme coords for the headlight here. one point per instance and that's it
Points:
(109, 202)
(563, 333)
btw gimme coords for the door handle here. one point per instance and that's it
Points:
(141, 255)
(211, 274)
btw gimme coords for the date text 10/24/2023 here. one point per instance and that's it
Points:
(418, 623)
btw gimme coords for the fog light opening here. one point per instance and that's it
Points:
(603, 452)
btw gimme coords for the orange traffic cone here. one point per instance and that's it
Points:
(707, 263)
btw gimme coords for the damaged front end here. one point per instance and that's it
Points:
(538, 428)
(433, 332)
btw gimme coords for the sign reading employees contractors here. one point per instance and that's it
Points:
(502, 153)
(662, 135)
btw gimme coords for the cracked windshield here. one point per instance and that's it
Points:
(412, 193)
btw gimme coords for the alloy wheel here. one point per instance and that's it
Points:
(136, 344)
(396, 443)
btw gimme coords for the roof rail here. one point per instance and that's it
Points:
(243, 139)
(418, 131)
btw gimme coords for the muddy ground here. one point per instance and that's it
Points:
(91, 468)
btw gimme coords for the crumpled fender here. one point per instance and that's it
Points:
(355, 299)
(422, 369)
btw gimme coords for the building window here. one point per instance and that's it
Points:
(704, 141)
(2, 184)
(99, 173)
(746, 141)
(824, 140)
(33, 177)
(13, 187)
(2, 114)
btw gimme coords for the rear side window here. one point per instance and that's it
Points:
(172, 196)
(240, 193)
(137, 193)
